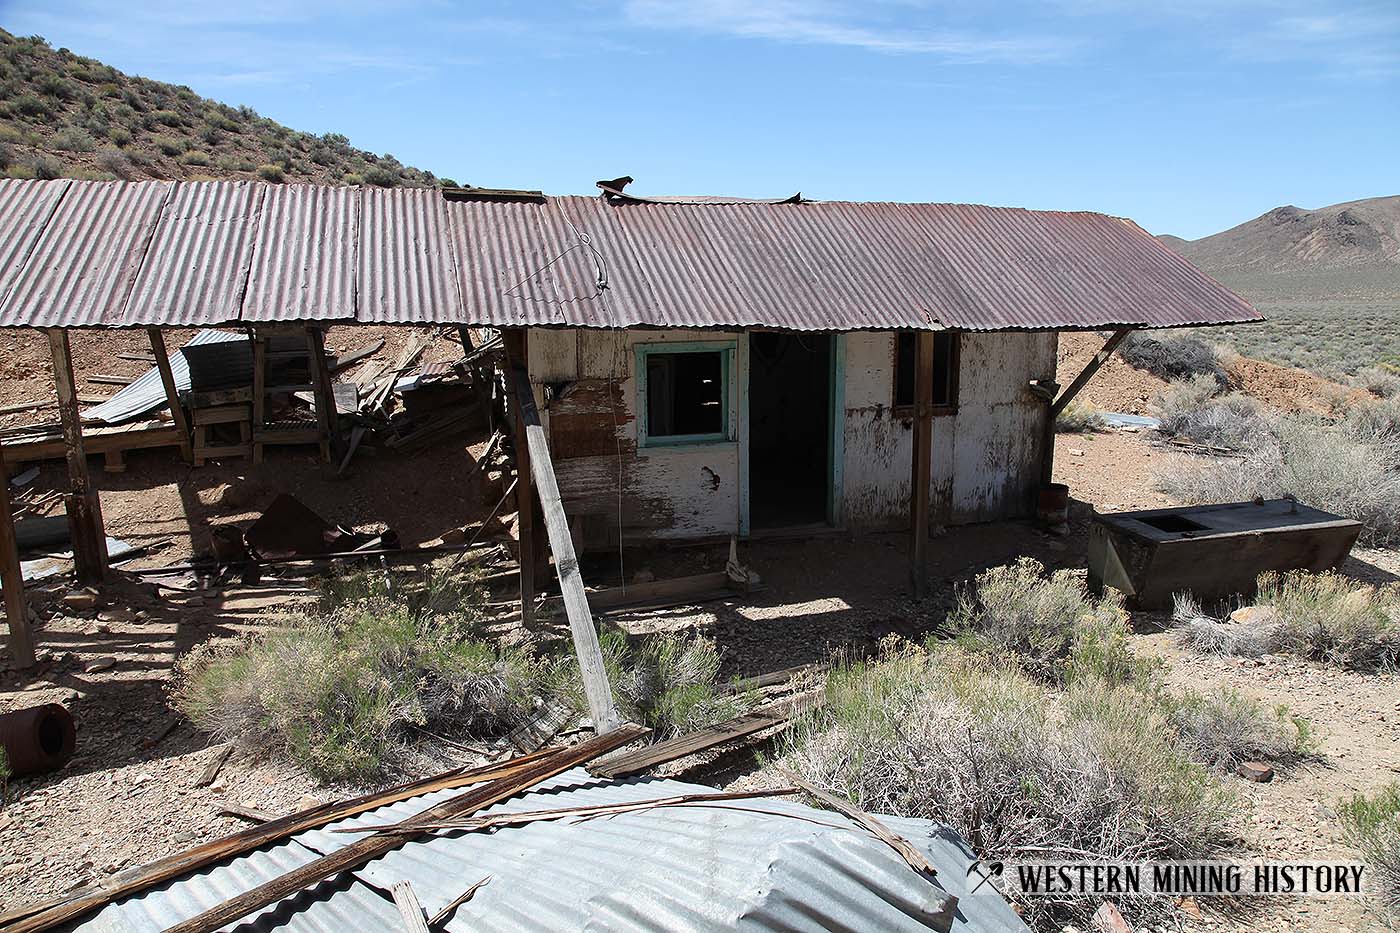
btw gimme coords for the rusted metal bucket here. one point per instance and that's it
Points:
(1052, 504)
(41, 738)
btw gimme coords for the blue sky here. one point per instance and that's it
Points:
(1186, 115)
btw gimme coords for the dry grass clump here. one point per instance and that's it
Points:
(1020, 769)
(1372, 824)
(669, 682)
(1079, 417)
(1382, 380)
(340, 689)
(1324, 616)
(1224, 727)
(1175, 357)
(1050, 626)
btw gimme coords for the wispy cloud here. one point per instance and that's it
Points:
(813, 22)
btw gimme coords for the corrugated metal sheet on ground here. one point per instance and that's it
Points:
(119, 253)
(756, 864)
(148, 392)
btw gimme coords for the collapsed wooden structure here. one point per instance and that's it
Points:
(629, 326)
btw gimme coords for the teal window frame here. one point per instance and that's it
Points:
(726, 349)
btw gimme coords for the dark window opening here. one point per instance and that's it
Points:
(944, 393)
(685, 394)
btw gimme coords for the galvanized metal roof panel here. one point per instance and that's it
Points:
(82, 269)
(148, 391)
(25, 208)
(196, 267)
(334, 906)
(407, 273)
(306, 257)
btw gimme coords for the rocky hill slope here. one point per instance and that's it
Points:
(63, 115)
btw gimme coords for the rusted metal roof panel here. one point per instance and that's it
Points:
(503, 264)
(82, 269)
(25, 207)
(305, 260)
(196, 268)
(407, 273)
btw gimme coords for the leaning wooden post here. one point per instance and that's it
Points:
(12, 577)
(172, 394)
(84, 509)
(326, 414)
(922, 473)
(561, 542)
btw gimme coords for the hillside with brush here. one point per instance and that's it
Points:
(66, 116)
(1327, 280)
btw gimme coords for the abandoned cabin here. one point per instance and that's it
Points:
(699, 367)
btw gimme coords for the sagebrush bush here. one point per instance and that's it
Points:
(46, 167)
(271, 172)
(73, 139)
(1193, 408)
(1381, 380)
(1078, 417)
(381, 177)
(116, 162)
(1206, 634)
(194, 157)
(1021, 770)
(1372, 824)
(169, 145)
(1049, 625)
(1176, 357)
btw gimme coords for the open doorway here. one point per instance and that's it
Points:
(789, 428)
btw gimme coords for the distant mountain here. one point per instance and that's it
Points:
(1290, 239)
(63, 115)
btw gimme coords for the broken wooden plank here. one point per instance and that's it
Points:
(378, 845)
(916, 859)
(47, 914)
(443, 915)
(350, 359)
(633, 762)
(415, 919)
(215, 765)
(772, 678)
(25, 406)
(106, 379)
(251, 814)
(590, 656)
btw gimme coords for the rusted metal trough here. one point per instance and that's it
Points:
(1212, 551)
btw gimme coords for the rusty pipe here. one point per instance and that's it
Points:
(40, 738)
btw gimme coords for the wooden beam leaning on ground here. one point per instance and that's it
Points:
(561, 542)
(364, 850)
(47, 914)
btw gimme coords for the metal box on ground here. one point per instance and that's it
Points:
(1211, 551)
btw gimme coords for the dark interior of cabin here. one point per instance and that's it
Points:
(790, 428)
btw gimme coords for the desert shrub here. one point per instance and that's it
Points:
(452, 183)
(271, 172)
(1050, 626)
(30, 105)
(669, 682)
(119, 135)
(195, 157)
(1175, 357)
(7, 156)
(169, 145)
(1199, 631)
(10, 134)
(1194, 408)
(322, 156)
(116, 162)
(211, 134)
(1018, 768)
(1075, 418)
(1372, 824)
(73, 139)
(1224, 727)
(1330, 617)
(382, 177)
(55, 86)
(1379, 380)
(350, 178)
(46, 167)
(339, 689)
(165, 118)
(1351, 468)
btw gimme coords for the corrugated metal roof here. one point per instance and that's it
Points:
(24, 211)
(759, 864)
(239, 251)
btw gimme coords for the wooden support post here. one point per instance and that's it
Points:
(516, 348)
(464, 334)
(922, 473)
(1047, 454)
(259, 394)
(325, 396)
(590, 656)
(84, 509)
(172, 394)
(12, 578)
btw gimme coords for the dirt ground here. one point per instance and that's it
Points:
(130, 794)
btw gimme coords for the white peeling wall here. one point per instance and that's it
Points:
(665, 492)
(986, 458)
